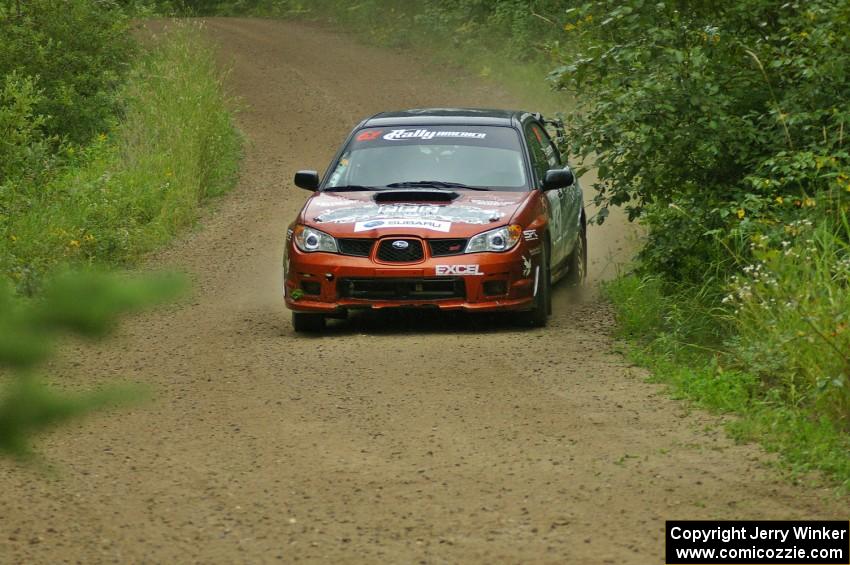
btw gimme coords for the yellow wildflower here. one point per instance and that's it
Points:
(741, 213)
(779, 200)
(809, 202)
(569, 27)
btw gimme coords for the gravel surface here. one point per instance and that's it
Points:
(394, 438)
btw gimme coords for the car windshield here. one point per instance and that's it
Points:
(447, 157)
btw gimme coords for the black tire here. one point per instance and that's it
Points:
(308, 323)
(539, 314)
(577, 261)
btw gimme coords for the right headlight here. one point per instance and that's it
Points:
(308, 239)
(499, 239)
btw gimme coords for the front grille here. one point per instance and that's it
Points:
(388, 253)
(358, 247)
(402, 289)
(442, 247)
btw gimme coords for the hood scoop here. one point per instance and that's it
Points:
(415, 195)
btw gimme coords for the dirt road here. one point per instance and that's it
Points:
(434, 439)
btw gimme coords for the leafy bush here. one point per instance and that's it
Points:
(132, 189)
(76, 53)
(718, 108)
(22, 143)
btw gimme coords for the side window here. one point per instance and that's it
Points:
(537, 141)
(553, 157)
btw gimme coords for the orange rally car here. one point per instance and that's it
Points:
(457, 209)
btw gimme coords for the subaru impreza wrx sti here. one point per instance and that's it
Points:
(456, 209)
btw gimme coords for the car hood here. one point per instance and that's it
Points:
(423, 213)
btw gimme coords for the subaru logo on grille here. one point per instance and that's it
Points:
(401, 244)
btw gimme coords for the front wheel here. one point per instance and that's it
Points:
(539, 314)
(577, 261)
(308, 323)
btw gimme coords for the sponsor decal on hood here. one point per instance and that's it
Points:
(371, 211)
(433, 225)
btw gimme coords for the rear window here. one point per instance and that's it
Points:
(478, 156)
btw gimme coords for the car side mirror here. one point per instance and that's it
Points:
(558, 178)
(308, 180)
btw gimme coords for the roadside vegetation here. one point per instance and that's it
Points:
(108, 146)
(722, 128)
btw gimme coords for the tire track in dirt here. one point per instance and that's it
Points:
(428, 438)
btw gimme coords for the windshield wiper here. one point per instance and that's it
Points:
(351, 188)
(433, 184)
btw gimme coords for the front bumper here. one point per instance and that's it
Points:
(331, 283)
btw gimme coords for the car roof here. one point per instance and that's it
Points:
(446, 116)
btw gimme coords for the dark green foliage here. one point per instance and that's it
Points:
(86, 304)
(76, 53)
(23, 144)
(729, 110)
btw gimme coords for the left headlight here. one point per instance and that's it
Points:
(499, 239)
(309, 240)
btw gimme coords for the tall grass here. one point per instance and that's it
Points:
(775, 351)
(792, 314)
(135, 185)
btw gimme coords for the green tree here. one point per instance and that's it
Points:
(729, 111)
